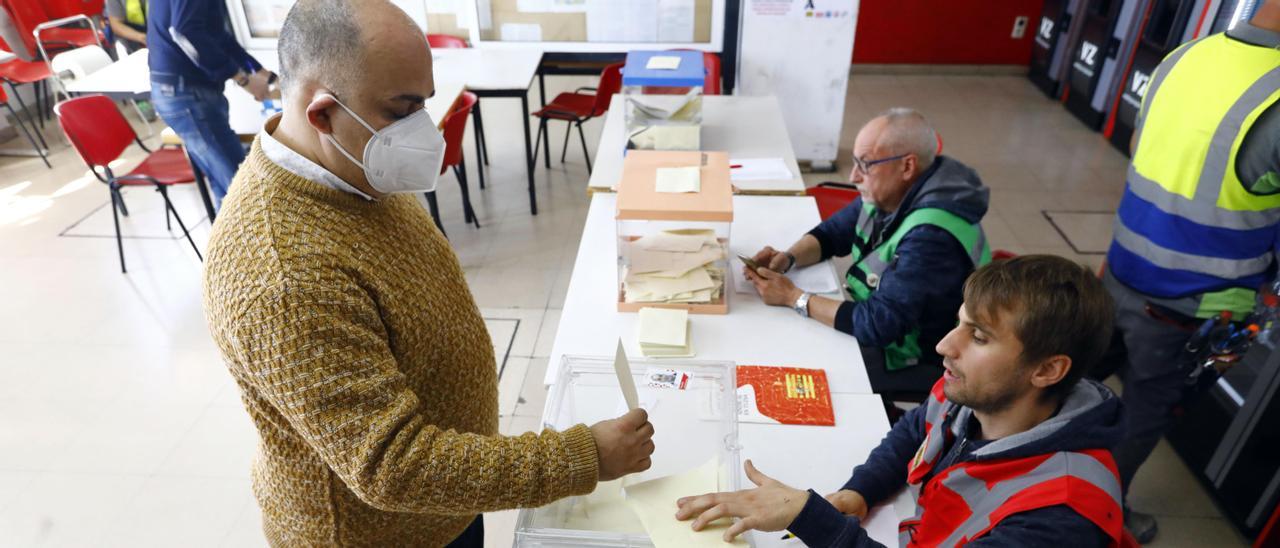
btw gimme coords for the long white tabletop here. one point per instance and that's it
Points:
(130, 78)
(752, 333)
(487, 69)
(745, 127)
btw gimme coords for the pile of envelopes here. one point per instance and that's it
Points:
(674, 266)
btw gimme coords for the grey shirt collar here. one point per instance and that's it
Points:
(1258, 36)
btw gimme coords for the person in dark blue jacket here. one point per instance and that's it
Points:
(914, 233)
(1013, 446)
(191, 54)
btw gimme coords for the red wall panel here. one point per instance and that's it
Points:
(941, 32)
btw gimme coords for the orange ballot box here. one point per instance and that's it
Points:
(675, 210)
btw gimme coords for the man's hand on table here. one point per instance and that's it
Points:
(777, 261)
(849, 503)
(771, 506)
(774, 288)
(624, 444)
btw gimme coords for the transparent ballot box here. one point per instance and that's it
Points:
(693, 408)
(662, 91)
(675, 211)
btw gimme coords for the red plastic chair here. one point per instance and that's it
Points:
(832, 197)
(575, 108)
(4, 98)
(454, 128)
(100, 134)
(1002, 254)
(445, 41)
(711, 64)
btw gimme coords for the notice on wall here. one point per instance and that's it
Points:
(521, 32)
(622, 20)
(551, 6)
(675, 20)
(771, 7)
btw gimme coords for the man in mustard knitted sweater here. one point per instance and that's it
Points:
(345, 319)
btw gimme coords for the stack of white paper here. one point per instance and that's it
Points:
(759, 169)
(674, 267)
(665, 332)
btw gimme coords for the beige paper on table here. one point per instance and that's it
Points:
(623, 369)
(664, 326)
(676, 180)
(671, 264)
(669, 241)
(662, 288)
(654, 502)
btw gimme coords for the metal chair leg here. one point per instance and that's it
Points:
(120, 198)
(460, 171)
(168, 204)
(484, 143)
(31, 118)
(537, 141)
(568, 130)
(115, 216)
(480, 152)
(585, 154)
(30, 139)
(546, 152)
(434, 208)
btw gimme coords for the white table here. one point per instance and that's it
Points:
(130, 78)
(752, 333)
(493, 73)
(745, 127)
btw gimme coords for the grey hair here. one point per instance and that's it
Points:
(906, 131)
(321, 40)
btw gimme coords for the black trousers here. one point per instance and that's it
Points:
(1152, 373)
(473, 537)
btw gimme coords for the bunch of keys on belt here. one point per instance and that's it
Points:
(1218, 344)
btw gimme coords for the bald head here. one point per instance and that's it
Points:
(327, 41)
(903, 130)
(349, 68)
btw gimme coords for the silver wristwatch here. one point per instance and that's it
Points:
(801, 305)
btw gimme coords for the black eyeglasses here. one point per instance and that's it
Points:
(863, 166)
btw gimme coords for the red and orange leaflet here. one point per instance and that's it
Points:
(790, 395)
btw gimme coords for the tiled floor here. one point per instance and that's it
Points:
(120, 427)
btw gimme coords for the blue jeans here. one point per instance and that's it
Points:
(198, 114)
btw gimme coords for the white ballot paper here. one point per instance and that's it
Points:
(625, 380)
(654, 502)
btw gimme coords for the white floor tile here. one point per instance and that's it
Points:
(221, 444)
(499, 528)
(180, 511)
(58, 509)
(127, 439)
(509, 386)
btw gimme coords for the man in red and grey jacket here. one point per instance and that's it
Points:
(1012, 449)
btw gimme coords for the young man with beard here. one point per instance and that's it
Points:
(1013, 447)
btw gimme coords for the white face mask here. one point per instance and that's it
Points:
(403, 157)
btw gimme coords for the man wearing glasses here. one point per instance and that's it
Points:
(914, 236)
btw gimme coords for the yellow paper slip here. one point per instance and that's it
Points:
(665, 288)
(671, 264)
(664, 326)
(654, 502)
(678, 179)
(669, 241)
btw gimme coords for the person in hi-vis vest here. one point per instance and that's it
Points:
(128, 19)
(1195, 231)
(914, 235)
(1010, 449)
